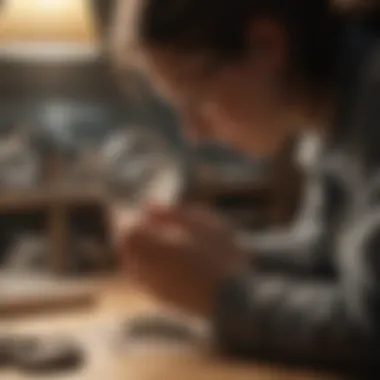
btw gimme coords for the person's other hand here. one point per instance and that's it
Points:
(181, 256)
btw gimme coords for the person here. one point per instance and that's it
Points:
(253, 74)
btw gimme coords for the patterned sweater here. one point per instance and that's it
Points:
(314, 293)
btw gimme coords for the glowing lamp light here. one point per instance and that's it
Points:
(48, 29)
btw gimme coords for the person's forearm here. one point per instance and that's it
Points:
(328, 322)
(291, 320)
(288, 252)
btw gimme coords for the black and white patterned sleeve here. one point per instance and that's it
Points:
(335, 320)
(301, 248)
(326, 322)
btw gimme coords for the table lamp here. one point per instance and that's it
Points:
(48, 30)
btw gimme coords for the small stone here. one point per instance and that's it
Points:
(47, 355)
(160, 328)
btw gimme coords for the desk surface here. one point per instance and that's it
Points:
(107, 360)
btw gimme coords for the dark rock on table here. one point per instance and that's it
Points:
(46, 355)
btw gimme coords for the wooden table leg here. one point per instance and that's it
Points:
(59, 238)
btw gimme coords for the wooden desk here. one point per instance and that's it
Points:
(108, 363)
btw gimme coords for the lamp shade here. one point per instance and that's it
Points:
(59, 29)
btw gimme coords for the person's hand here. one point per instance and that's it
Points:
(181, 256)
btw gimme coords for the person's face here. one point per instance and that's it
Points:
(241, 103)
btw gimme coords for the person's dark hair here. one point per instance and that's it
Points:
(220, 28)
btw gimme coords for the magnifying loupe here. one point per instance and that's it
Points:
(142, 169)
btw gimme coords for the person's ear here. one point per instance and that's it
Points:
(268, 44)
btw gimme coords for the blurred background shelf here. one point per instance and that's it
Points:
(64, 106)
(35, 199)
(24, 295)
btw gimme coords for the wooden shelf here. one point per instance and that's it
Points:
(58, 202)
(20, 295)
(35, 199)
